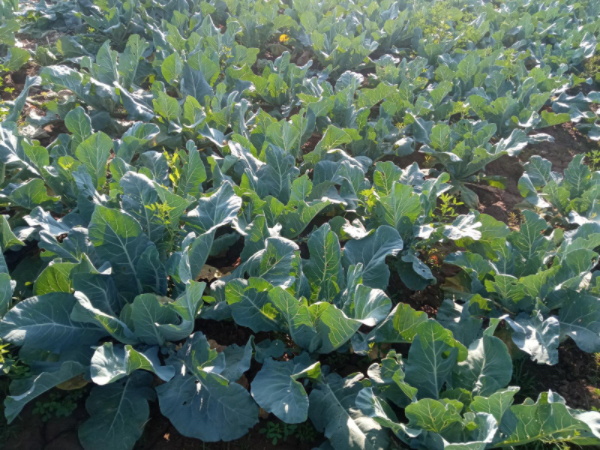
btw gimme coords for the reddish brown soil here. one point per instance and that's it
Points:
(30, 432)
(16, 80)
(161, 435)
(499, 203)
(576, 377)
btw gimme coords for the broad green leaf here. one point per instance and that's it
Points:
(99, 289)
(414, 273)
(194, 84)
(111, 363)
(94, 152)
(301, 189)
(464, 227)
(432, 415)
(193, 174)
(332, 411)
(377, 409)
(208, 408)
(93, 92)
(212, 212)
(268, 349)
(368, 306)
(7, 287)
(278, 263)
(119, 239)
(323, 267)
(458, 318)
(576, 176)
(151, 272)
(278, 173)
(496, 404)
(536, 337)
(96, 311)
(400, 326)
(129, 60)
(550, 119)
(333, 327)
(542, 421)
(431, 359)
(44, 323)
(386, 173)
(79, 124)
(18, 104)
(202, 404)
(369, 97)
(118, 413)
(31, 194)
(166, 107)
(172, 67)
(539, 171)
(136, 137)
(334, 137)
(371, 252)
(11, 149)
(579, 318)
(237, 360)
(277, 390)
(26, 389)
(295, 222)
(140, 199)
(195, 257)
(8, 30)
(388, 380)
(147, 314)
(400, 209)
(105, 68)
(54, 278)
(296, 316)
(255, 239)
(250, 304)
(7, 237)
(529, 237)
(487, 369)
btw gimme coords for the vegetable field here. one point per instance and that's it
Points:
(300, 224)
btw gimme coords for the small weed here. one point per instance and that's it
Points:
(11, 365)
(429, 161)
(276, 431)
(432, 257)
(593, 159)
(272, 431)
(514, 220)
(523, 378)
(369, 198)
(595, 379)
(58, 404)
(162, 212)
(592, 68)
(546, 446)
(338, 359)
(174, 166)
(445, 212)
(597, 393)
(304, 432)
